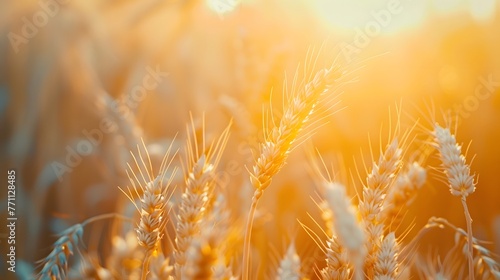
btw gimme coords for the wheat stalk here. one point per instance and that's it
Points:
(374, 192)
(200, 180)
(460, 181)
(153, 194)
(278, 144)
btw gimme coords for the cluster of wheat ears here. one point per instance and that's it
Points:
(190, 235)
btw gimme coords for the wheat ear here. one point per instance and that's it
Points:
(201, 258)
(337, 258)
(460, 181)
(403, 192)
(349, 232)
(200, 180)
(55, 265)
(337, 261)
(386, 266)
(278, 144)
(374, 192)
(153, 194)
(289, 268)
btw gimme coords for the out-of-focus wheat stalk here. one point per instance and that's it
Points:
(55, 265)
(278, 144)
(403, 192)
(484, 263)
(201, 258)
(289, 268)
(460, 181)
(349, 232)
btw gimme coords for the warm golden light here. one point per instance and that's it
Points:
(250, 139)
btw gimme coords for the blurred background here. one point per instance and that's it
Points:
(82, 82)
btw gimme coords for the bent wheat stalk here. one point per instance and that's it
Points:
(55, 265)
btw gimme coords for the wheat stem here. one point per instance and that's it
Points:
(457, 171)
(145, 265)
(468, 219)
(248, 234)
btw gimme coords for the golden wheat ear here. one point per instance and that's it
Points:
(197, 198)
(370, 206)
(150, 195)
(301, 104)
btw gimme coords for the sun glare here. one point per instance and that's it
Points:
(222, 6)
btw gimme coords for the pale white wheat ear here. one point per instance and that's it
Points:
(279, 139)
(348, 230)
(200, 181)
(289, 268)
(153, 193)
(387, 265)
(458, 173)
(371, 204)
(338, 264)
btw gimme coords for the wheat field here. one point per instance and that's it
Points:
(250, 139)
